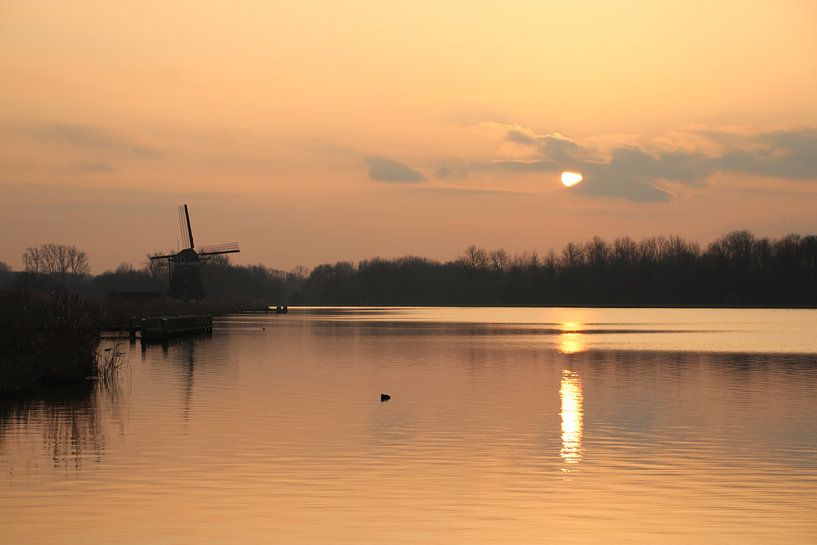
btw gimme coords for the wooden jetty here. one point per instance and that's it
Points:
(159, 328)
(277, 309)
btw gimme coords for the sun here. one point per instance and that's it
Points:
(569, 179)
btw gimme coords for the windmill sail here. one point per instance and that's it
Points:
(185, 230)
(184, 265)
(228, 248)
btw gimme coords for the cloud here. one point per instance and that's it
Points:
(521, 137)
(87, 167)
(556, 147)
(783, 154)
(637, 170)
(384, 169)
(600, 181)
(473, 191)
(86, 137)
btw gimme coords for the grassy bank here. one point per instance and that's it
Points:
(46, 340)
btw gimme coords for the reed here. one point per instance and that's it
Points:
(46, 340)
(110, 360)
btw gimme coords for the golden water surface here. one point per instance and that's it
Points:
(505, 426)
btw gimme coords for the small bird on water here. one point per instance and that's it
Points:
(384, 397)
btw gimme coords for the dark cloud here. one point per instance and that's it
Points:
(551, 146)
(452, 172)
(633, 173)
(384, 169)
(781, 154)
(521, 137)
(85, 137)
(607, 183)
(558, 148)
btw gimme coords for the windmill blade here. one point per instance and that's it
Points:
(185, 230)
(216, 249)
(168, 256)
(189, 229)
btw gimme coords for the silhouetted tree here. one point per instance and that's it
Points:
(735, 269)
(499, 259)
(124, 268)
(156, 267)
(58, 259)
(475, 258)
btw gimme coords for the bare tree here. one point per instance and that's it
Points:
(4, 267)
(156, 267)
(652, 249)
(124, 268)
(56, 259)
(220, 260)
(679, 249)
(551, 262)
(625, 251)
(294, 281)
(572, 255)
(499, 259)
(31, 260)
(525, 260)
(597, 252)
(475, 258)
(299, 272)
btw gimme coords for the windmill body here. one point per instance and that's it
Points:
(185, 265)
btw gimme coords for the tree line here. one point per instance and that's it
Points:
(737, 269)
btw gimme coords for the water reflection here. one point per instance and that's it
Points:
(68, 422)
(286, 437)
(571, 343)
(571, 340)
(188, 364)
(572, 415)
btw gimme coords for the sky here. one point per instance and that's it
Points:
(319, 131)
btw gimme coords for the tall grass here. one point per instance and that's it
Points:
(46, 340)
(110, 360)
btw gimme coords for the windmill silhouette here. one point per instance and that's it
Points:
(185, 265)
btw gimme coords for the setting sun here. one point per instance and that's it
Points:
(569, 179)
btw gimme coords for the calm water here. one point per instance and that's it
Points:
(506, 426)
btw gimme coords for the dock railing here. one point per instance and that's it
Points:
(165, 327)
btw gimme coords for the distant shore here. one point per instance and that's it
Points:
(702, 307)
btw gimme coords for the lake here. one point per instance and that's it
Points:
(505, 426)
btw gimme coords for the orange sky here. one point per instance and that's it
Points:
(318, 131)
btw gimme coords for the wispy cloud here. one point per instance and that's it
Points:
(86, 137)
(473, 191)
(638, 170)
(87, 167)
(384, 169)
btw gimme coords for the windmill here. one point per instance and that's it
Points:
(185, 280)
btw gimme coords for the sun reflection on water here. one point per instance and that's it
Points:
(572, 417)
(571, 340)
(571, 343)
